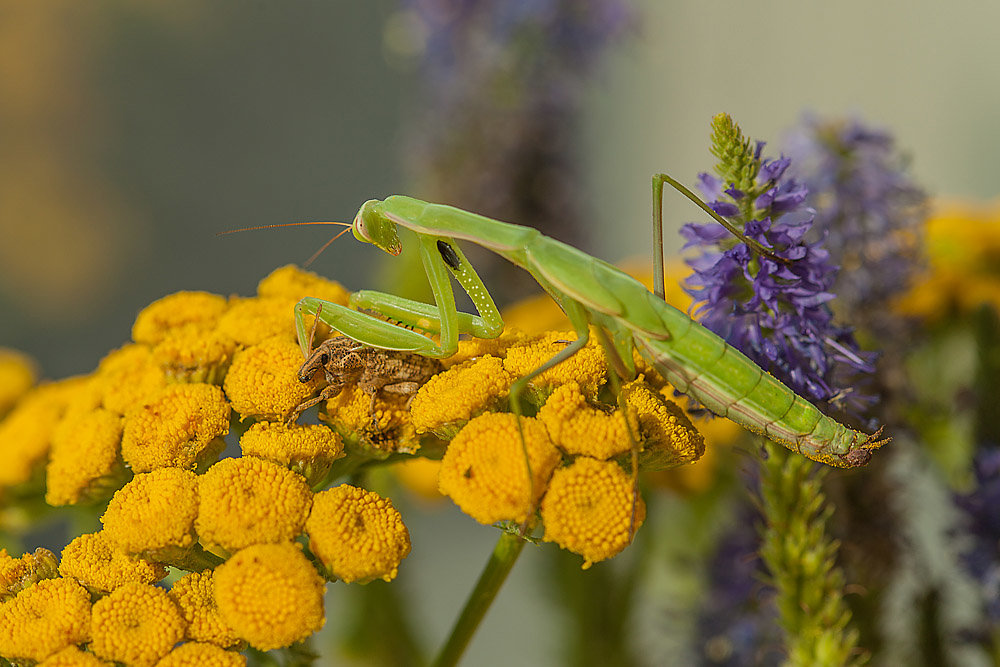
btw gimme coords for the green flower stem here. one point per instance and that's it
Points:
(504, 556)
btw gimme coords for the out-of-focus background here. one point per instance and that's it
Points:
(132, 133)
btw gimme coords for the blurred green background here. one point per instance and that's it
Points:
(132, 133)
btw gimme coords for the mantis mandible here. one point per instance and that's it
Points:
(592, 292)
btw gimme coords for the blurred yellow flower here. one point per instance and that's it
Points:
(182, 425)
(270, 594)
(44, 618)
(357, 535)
(248, 501)
(450, 399)
(194, 595)
(307, 449)
(153, 511)
(419, 475)
(18, 374)
(83, 462)
(136, 624)
(94, 561)
(196, 654)
(485, 473)
(962, 243)
(263, 380)
(26, 432)
(196, 312)
(588, 509)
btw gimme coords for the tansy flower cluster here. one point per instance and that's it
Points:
(251, 541)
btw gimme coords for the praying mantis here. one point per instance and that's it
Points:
(623, 313)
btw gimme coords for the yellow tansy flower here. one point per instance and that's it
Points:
(129, 375)
(473, 348)
(17, 574)
(194, 594)
(587, 367)
(588, 509)
(194, 311)
(577, 428)
(72, 656)
(252, 321)
(84, 463)
(963, 247)
(97, 564)
(26, 432)
(306, 449)
(181, 426)
(357, 535)
(195, 654)
(189, 355)
(17, 375)
(292, 283)
(248, 501)
(378, 432)
(263, 380)
(450, 399)
(43, 619)
(155, 510)
(270, 594)
(669, 439)
(136, 624)
(485, 473)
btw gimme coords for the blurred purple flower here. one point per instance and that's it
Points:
(981, 509)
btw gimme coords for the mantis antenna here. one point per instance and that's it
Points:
(316, 254)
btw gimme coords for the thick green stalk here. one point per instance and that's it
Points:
(504, 556)
(802, 561)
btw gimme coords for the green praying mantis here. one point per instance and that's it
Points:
(623, 313)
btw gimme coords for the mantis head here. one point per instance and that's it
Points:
(372, 225)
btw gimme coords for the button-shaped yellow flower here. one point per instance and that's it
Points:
(188, 355)
(194, 594)
(17, 376)
(129, 375)
(136, 624)
(357, 535)
(587, 367)
(669, 438)
(194, 311)
(307, 449)
(83, 463)
(26, 432)
(377, 431)
(578, 428)
(270, 594)
(17, 574)
(588, 509)
(263, 380)
(485, 473)
(292, 283)
(73, 656)
(43, 619)
(450, 399)
(154, 511)
(197, 654)
(252, 321)
(96, 563)
(248, 501)
(181, 426)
